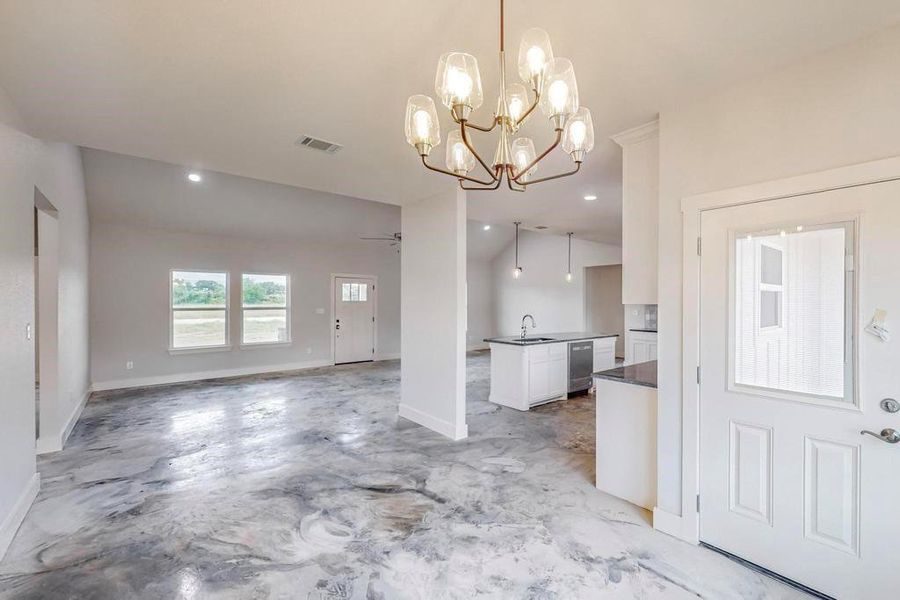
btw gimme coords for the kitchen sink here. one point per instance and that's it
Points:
(533, 340)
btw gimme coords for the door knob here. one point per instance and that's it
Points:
(891, 436)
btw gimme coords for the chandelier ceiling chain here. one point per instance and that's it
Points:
(458, 85)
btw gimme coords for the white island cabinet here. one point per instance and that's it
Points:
(527, 374)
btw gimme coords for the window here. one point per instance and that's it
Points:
(792, 307)
(199, 310)
(771, 285)
(265, 309)
(354, 292)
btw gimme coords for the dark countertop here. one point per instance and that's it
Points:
(572, 336)
(644, 330)
(639, 374)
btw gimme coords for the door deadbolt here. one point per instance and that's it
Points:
(890, 405)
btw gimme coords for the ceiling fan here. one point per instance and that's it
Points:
(394, 239)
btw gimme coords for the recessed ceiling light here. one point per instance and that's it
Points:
(487, 227)
(541, 227)
(590, 197)
(195, 177)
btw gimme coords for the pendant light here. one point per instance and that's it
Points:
(569, 268)
(517, 271)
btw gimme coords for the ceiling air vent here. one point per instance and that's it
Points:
(307, 141)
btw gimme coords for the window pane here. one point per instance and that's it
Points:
(194, 289)
(363, 291)
(769, 308)
(770, 265)
(264, 326)
(345, 292)
(354, 292)
(793, 338)
(264, 290)
(197, 328)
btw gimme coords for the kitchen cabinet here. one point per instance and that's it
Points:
(640, 346)
(604, 354)
(640, 212)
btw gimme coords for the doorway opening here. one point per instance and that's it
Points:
(46, 319)
(354, 325)
(603, 308)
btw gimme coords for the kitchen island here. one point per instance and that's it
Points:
(535, 369)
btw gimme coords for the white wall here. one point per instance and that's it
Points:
(130, 287)
(542, 290)
(433, 312)
(26, 163)
(604, 310)
(480, 303)
(833, 109)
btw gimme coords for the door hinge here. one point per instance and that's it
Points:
(698, 502)
(699, 246)
(698, 374)
(373, 319)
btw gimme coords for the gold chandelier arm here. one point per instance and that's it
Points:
(465, 139)
(474, 125)
(541, 157)
(452, 174)
(509, 180)
(482, 189)
(521, 120)
(550, 177)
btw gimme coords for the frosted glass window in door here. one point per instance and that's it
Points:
(792, 310)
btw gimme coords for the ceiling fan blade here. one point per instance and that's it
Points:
(384, 239)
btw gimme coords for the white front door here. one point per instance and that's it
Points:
(354, 319)
(790, 378)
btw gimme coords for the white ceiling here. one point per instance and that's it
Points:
(229, 86)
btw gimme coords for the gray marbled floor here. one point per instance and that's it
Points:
(307, 485)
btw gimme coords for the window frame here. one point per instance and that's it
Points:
(199, 349)
(286, 308)
(777, 288)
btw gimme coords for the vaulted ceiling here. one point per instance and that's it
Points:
(230, 86)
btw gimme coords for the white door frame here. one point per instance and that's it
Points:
(687, 525)
(374, 278)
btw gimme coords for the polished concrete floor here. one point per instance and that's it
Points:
(307, 485)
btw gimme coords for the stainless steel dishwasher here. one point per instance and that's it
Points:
(581, 365)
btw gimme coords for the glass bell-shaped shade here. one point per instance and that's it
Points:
(458, 80)
(516, 101)
(535, 53)
(422, 128)
(560, 95)
(579, 134)
(459, 159)
(522, 155)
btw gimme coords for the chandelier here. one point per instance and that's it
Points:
(458, 85)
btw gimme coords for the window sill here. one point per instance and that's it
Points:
(265, 345)
(200, 350)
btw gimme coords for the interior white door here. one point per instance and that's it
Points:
(790, 379)
(354, 319)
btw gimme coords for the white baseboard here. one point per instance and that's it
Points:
(121, 384)
(674, 525)
(76, 414)
(14, 519)
(54, 441)
(445, 428)
(391, 356)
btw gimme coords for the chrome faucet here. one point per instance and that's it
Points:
(524, 327)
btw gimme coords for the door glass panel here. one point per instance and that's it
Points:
(791, 309)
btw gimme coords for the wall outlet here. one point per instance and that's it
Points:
(308, 350)
(129, 365)
(320, 311)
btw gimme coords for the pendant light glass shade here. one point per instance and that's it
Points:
(516, 101)
(560, 96)
(535, 53)
(523, 154)
(579, 134)
(422, 128)
(458, 81)
(459, 158)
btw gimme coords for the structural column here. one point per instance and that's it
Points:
(433, 313)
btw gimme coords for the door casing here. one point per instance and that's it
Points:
(687, 525)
